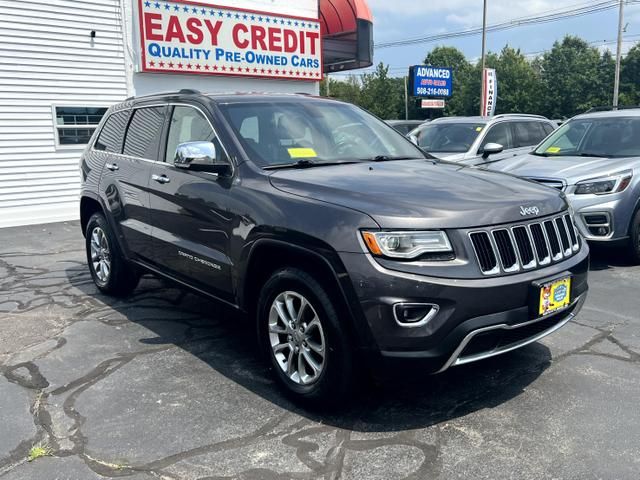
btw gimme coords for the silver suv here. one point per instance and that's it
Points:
(595, 159)
(470, 140)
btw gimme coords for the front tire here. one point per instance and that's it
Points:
(633, 249)
(301, 333)
(110, 271)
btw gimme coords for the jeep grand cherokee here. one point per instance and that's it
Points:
(341, 238)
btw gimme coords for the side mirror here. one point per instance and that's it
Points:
(414, 139)
(491, 148)
(200, 157)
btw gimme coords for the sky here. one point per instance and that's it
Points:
(401, 19)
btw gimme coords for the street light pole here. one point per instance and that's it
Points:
(616, 84)
(484, 42)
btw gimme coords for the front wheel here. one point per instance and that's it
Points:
(634, 239)
(302, 335)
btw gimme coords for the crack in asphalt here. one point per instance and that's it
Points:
(63, 290)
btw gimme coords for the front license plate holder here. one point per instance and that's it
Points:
(551, 295)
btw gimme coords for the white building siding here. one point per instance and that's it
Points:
(47, 58)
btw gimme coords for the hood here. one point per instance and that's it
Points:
(421, 193)
(451, 157)
(569, 169)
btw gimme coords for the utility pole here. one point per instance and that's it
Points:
(616, 84)
(484, 44)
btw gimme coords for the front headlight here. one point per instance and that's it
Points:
(406, 244)
(605, 185)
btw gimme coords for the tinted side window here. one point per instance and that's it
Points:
(547, 128)
(112, 134)
(528, 134)
(499, 133)
(189, 125)
(144, 132)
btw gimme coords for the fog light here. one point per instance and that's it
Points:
(414, 314)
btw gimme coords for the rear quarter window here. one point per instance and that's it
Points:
(112, 134)
(144, 132)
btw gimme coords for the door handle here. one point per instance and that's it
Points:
(160, 178)
(112, 166)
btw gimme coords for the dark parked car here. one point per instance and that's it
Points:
(405, 126)
(339, 237)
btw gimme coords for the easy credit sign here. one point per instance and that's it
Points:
(427, 81)
(192, 38)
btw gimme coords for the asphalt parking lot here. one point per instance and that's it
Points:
(168, 385)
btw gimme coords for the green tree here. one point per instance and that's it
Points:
(571, 76)
(518, 84)
(381, 94)
(630, 77)
(462, 73)
(347, 90)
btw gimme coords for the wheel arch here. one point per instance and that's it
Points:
(88, 206)
(323, 263)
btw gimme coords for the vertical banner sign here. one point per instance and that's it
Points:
(490, 92)
(187, 37)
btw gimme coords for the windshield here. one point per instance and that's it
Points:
(448, 137)
(594, 137)
(314, 132)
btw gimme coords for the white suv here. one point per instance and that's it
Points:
(471, 140)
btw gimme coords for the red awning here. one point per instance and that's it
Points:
(347, 31)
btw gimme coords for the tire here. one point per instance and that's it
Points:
(633, 249)
(332, 383)
(110, 271)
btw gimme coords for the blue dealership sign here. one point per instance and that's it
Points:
(427, 81)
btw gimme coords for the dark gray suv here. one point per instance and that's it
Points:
(337, 235)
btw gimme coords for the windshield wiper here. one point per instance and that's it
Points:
(387, 158)
(588, 154)
(304, 163)
(540, 154)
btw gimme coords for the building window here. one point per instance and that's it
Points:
(75, 125)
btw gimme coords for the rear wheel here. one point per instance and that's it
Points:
(304, 339)
(110, 271)
(634, 239)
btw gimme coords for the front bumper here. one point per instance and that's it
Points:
(476, 318)
(615, 211)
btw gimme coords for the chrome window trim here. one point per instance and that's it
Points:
(155, 105)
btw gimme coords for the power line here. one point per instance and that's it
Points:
(398, 68)
(518, 22)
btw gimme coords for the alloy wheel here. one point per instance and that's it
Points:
(100, 255)
(297, 338)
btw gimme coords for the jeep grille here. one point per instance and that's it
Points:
(524, 246)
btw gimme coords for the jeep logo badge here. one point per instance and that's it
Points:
(526, 211)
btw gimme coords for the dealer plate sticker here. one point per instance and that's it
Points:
(555, 296)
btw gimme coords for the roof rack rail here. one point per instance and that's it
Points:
(529, 115)
(184, 91)
(610, 108)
